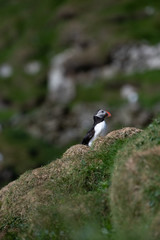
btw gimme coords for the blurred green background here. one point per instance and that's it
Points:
(60, 61)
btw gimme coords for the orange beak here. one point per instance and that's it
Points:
(108, 114)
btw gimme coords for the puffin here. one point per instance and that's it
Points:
(98, 129)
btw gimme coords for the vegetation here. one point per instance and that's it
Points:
(72, 194)
(137, 202)
(95, 193)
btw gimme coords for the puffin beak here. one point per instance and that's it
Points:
(108, 114)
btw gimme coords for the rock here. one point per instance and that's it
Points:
(32, 68)
(130, 93)
(149, 10)
(61, 88)
(6, 70)
(87, 62)
(131, 58)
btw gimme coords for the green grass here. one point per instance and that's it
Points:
(97, 176)
(137, 163)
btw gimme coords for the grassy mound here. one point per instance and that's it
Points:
(135, 189)
(67, 199)
(110, 138)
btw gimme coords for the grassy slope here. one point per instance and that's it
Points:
(67, 199)
(136, 204)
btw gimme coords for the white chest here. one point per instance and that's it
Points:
(100, 130)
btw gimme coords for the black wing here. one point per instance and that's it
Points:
(88, 136)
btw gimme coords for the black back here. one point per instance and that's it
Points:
(91, 132)
(88, 136)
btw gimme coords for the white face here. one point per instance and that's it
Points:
(101, 113)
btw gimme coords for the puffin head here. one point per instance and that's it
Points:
(102, 114)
